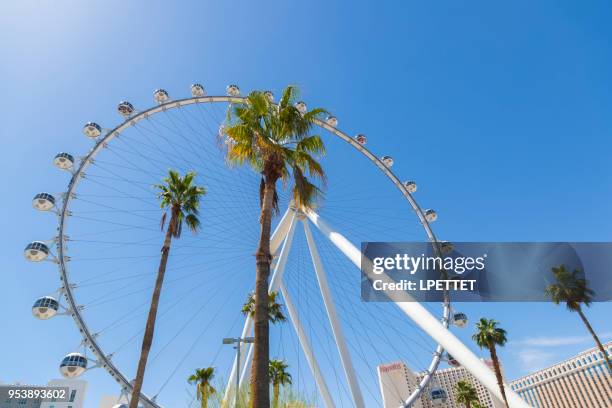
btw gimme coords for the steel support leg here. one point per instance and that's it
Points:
(425, 320)
(330, 307)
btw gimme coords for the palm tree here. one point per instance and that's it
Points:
(202, 378)
(278, 376)
(466, 394)
(275, 309)
(275, 140)
(488, 335)
(573, 290)
(181, 198)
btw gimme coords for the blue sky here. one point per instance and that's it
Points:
(501, 112)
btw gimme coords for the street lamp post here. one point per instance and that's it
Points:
(237, 343)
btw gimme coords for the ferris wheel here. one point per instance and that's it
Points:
(108, 238)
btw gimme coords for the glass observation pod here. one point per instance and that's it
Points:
(73, 365)
(451, 361)
(43, 202)
(301, 107)
(232, 90)
(431, 215)
(460, 319)
(125, 109)
(269, 95)
(387, 161)
(92, 130)
(197, 91)
(438, 397)
(45, 308)
(36, 251)
(160, 96)
(361, 139)
(63, 161)
(331, 121)
(410, 186)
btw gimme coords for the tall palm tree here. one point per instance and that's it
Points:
(275, 309)
(466, 394)
(181, 198)
(573, 290)
(488, 335)
(278, 376)
(202, 378)
(275, 140)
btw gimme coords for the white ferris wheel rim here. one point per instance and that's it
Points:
(89, 338)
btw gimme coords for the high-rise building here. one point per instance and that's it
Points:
(397, 382)
(447, 379)
(582, 381)
(76, 396)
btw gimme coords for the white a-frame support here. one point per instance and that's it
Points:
(425, 320)
(286, 224)
(330, 308)
(275, 280)
(286, 230)
(310, 357)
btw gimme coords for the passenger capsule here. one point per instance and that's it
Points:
(387, 161)
(301, 107)
(232, 90)
(125, 109)
(438, 397)
(431, 215)
(160, 96)
(73, 365)
(63, 161)
(460, 319)
(361, 139)
(410, 186)
(92, 130)
(197, 91)
(43, 202)
(269, 95)
(452, 361)
(45, 308)
(36, 251)
(331, 121)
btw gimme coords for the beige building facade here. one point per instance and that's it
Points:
(579, 382)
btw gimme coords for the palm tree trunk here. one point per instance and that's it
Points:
(260, 388)
(150, 328)
(498, 375)
(205, 397)
(276, 394)
(599, 345)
